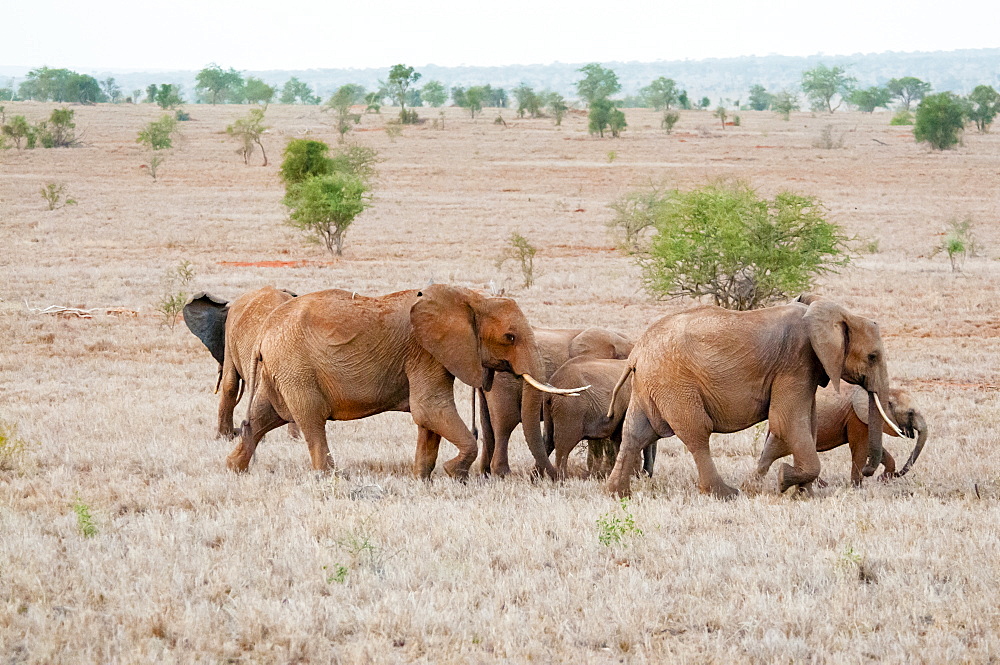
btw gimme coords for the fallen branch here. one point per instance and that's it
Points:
(69, 312)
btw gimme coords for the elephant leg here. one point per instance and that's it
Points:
(293, 431)
(445, 422)
(637, 433)
(797, 428)
(889, 465)
(228, 397)
(427, 453)
(566, 436)
(857, 440)
(503, 426)
(697, 440)
(649, 459)
(314, 432)
(774, 448)
(486, 421)
(263, 418)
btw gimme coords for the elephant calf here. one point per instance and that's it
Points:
(843, 418)
(569, 420)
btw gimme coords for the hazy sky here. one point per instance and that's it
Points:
(299, 34)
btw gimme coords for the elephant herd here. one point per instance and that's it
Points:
(339, 355)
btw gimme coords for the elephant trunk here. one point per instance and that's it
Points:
(921, 428)
(531, 414)
(874, 436)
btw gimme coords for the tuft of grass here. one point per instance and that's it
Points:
(338, 574)
(12, 446)
(175, 294)
(612, 156)
(84, 520)
(613, 528)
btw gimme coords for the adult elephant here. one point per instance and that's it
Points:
(713, 370)
(323, 357)
(230, 331)
(569, 420)
(501, 404)
(844, 418)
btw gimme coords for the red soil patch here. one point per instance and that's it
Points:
(271, 264)
(958, 385)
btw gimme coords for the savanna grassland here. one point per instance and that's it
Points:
(185, 561)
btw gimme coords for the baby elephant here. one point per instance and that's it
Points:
(843, 418)
(569, 419)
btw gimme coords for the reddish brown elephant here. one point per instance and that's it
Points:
(711, 370)
(324, 357)
(843, 418)
(501, 406)
(230, 331)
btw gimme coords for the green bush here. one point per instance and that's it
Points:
(520, 250)
(248, 131)
(20, 131)
(745, 252)
(940, 120)
(305, 158)
(902, 117)
(324, 206)
(57, 131)
(158, 135)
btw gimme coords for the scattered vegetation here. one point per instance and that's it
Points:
(940, 120)
(902, 117)
(617, 525)
(829, 139)
(13, 446)
(340, 105)
(296, 92)
(760, 99)
(248, 131)
(84, 520)
(522, 252)
(218, 86)
(668, 121)
(176, 282)
(397, 86)
(984, 104)
(556, 107)
(959, 243)
(908, 89)
(822, 84)
(58, 130)
(871, 98)
(724, 241)
(635, 212)
(598, 83)
(720, 113)
(20, 131)
(156, 137)
(55, 196)
(784, 102)
(338, 574)
(434, 93)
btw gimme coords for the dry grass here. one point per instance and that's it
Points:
(190, 562)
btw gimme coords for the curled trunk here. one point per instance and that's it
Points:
(919, 446)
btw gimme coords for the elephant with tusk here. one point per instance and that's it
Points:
(711, 370)
(323, 357)
(845, 418)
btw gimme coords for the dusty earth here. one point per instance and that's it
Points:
(108, 420)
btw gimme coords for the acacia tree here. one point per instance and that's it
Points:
(908, 89)
(248, 131)
(869, 99)
(743, 251)
(661, 94)
(760, 99)
(821, 84)
(256, 91)
(556, 106)
(984, 104)
(167, 96)
(597, 83)
(396, 86)
(340, 105)
(296, 91)
(434, 93)
(218, 85)
(111, 90)
(528, 101)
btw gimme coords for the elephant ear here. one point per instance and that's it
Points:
(859, 402)
(827, 326)
(444, 324)
(205, 316)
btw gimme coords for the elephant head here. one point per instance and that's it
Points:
(903, 413)
(469, 333)
(849, 347)
(601, 343)
(205, 316)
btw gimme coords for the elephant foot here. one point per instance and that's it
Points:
(868, 471)
(237, 462)
(619, 486)
(789, 476)
(725, 492)
(887, 476)
(500, 470)
(457, 469)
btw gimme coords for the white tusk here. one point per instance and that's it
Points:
(544, 387)
(891, 424)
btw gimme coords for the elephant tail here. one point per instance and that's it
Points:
(549, 436)
(258, 358)
(618, 386)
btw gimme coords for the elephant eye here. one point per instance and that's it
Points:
(872, 357)
(509, 338)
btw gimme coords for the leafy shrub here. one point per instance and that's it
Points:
(248, 131)
(57, 131)
(959, 242)
(670, 119)
(523, 253)
(634, 213)
(175, 296)
(158, 134)
(181, 115)
(724, 241)
(324, 206)
(304, 158)
(54, 194)
(828, 139)
(84, 521)
(613, 529)
(902, 117)
(20, 132)
(940, 120)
